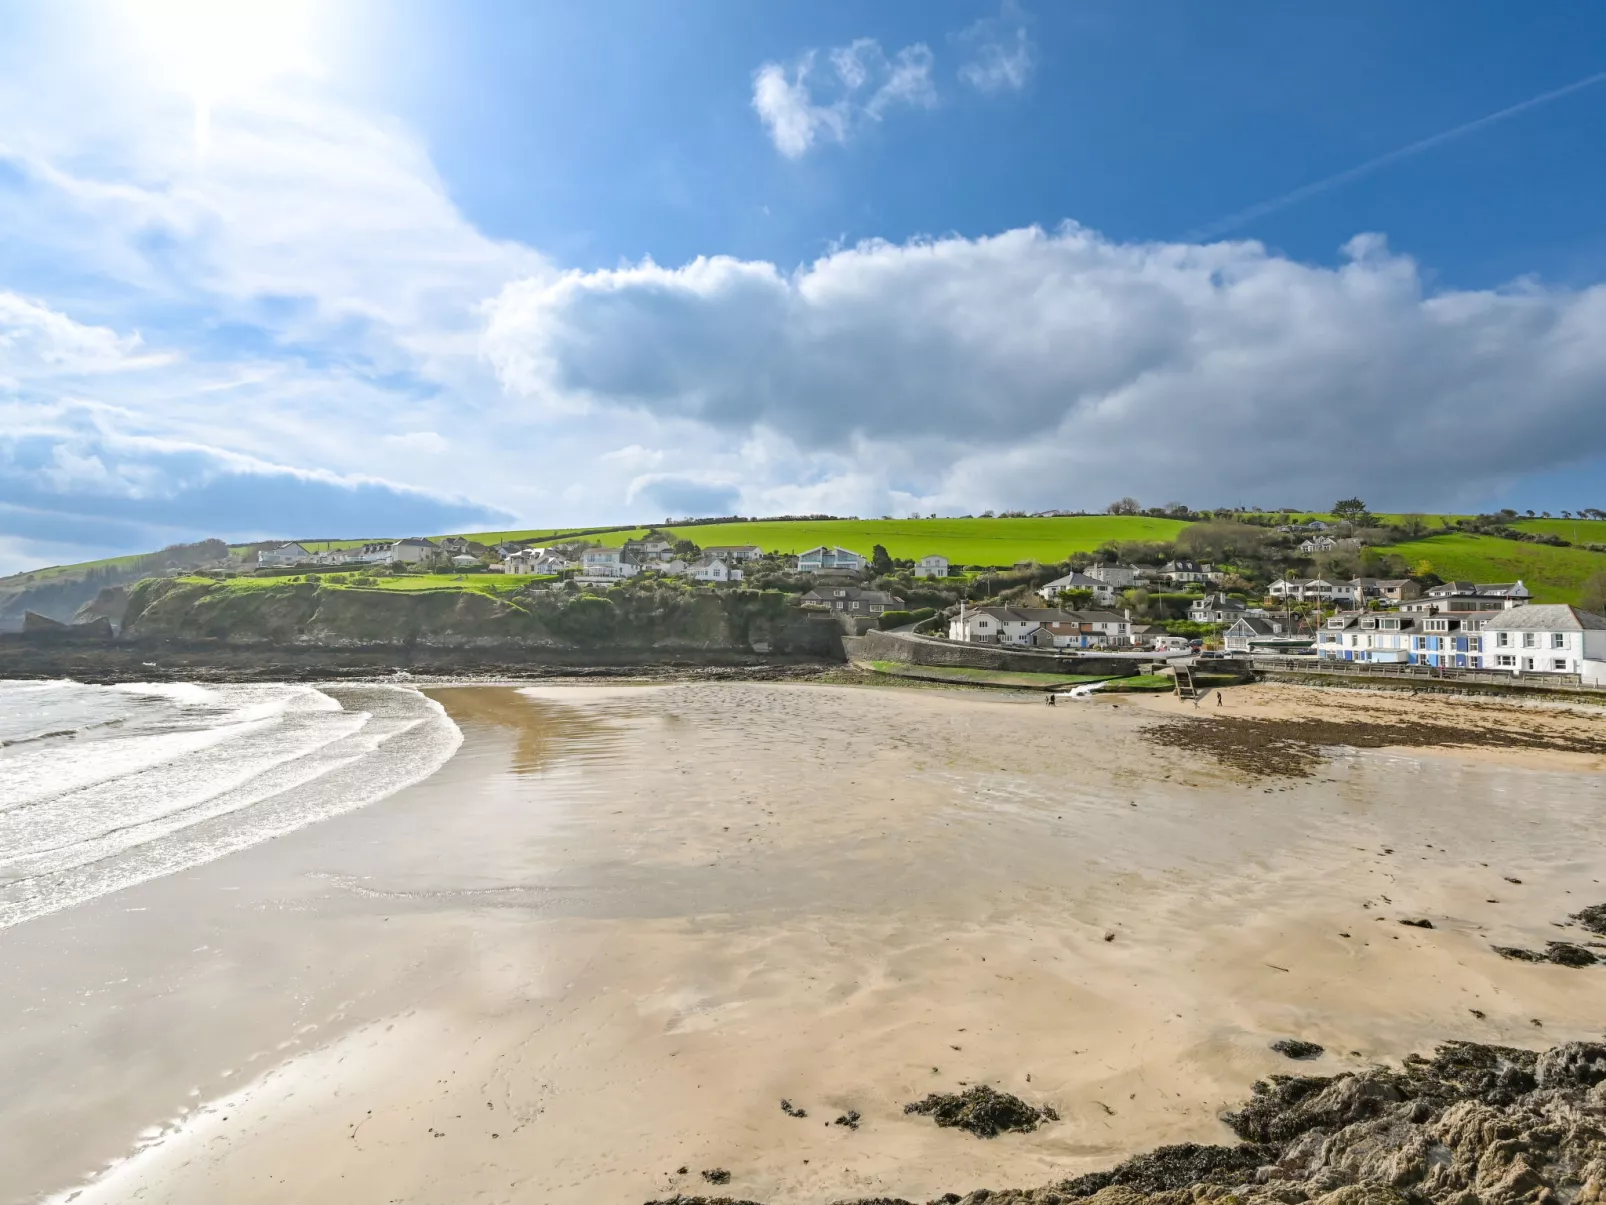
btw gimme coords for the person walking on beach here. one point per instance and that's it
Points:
(1218, 698)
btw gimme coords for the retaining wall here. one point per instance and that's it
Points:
(914, 650)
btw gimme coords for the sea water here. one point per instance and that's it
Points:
(102, 787)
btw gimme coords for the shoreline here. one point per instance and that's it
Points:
(633, 917)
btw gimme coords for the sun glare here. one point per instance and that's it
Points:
(217, 50)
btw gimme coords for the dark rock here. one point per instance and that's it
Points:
(1169, 1168)
(1593, 918)
(716, 1175)
(1564, 953)
(850, 1119)
(788, 1108)
(983, 1111)
(1420, 922)
(1295, 1049)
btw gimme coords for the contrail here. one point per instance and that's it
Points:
(1245, 216)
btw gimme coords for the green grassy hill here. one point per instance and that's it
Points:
(962, 541)
(1579, 531)
(1553, 574)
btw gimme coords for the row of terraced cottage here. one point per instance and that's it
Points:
(1474, 626)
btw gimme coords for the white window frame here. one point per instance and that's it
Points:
(1558, 640)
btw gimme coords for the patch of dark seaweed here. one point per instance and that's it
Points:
(1294, 748)
(1294, 1048)
(1593, 918)
(1168, 1168)
(984, 1111)
(1561, 953)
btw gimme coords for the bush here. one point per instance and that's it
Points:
(896, 619)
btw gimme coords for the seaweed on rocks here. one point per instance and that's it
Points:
(1473, 1124)
(984, 1111)
(717, 1175)
(1561, 953)
(1169, 1168)
(1294, 1048)
(1592, 918)
(1566, 954)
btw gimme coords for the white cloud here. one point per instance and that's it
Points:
(37, 341)
(1056, 368)
(1001, 52)
(801, 106)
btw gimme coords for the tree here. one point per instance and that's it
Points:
(880, 561)
(1593, 597)
(1413, 525)
(1350, 510)
(1126, 506)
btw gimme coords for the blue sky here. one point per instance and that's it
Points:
(357, 267)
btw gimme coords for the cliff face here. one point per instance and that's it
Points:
(310, 614)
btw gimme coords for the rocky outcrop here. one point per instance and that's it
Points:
(1473, 1125)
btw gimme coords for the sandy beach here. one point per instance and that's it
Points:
(621, 924)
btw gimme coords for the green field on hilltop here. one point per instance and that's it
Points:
(1579, 531)
(962, 541)
(1553, 574)
(410, 583)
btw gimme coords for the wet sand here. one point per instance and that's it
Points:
(623, 923)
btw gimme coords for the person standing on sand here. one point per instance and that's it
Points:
(1218, 698)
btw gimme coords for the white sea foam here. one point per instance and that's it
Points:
(101, 788)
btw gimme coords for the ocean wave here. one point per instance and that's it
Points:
(208, 771)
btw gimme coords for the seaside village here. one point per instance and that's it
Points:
(1172, 607)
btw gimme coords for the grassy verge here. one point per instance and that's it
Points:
(970, 676)
(1141, 683)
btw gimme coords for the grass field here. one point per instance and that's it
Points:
(1579, 531)
(968, 675)
(962, 541)
(1553, 574)
(413, 583)
(1143, 683)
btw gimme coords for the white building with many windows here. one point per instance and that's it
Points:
(1547, 638)
(932, 566)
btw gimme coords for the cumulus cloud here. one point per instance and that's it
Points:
(802, 105)
(1055, 367)
(1001, 54)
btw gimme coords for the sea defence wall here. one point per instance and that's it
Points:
(918, 650)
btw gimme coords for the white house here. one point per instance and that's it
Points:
(1216, 608)
(932, 566)
(464, 561)
(1547, 638)
(648, 549)
(411, 550)
(284, 554)
(732, 553)
(1329, 544)
(712, 569)
(1026, 626)
(607, 563)
(1103, 593)
(829, 560)
(1118, 576)
(1083, 630)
